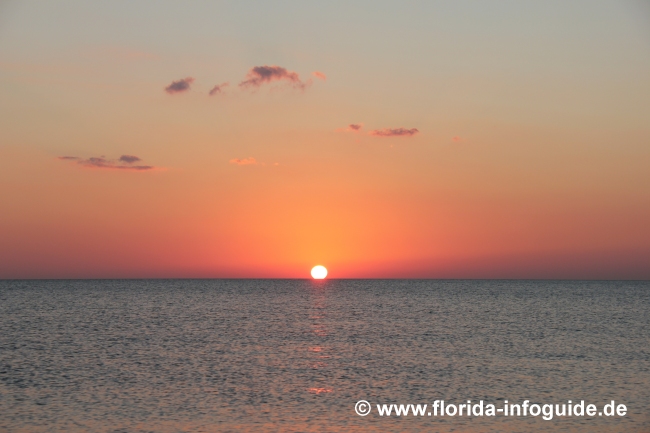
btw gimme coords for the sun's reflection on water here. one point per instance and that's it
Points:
(320, 330)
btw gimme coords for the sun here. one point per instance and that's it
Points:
(318, 272)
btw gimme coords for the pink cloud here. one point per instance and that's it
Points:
(125, 162)
(456, 139)
(246, 161)
(265, 74)
(179, 86)
(319, 75)
(394, 132)
(218, 89)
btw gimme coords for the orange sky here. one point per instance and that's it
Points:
(511, 143)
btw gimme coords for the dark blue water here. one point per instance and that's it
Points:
(296, 355)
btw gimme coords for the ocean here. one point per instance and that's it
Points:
(297, 355)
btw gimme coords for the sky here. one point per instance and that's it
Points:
(381, 139)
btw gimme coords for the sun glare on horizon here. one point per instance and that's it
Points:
(318, 272)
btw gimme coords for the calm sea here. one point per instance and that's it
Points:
(296, 355)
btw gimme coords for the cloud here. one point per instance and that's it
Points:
(125, 162)
(319, 75)
(129, 159)
(179, 86)
(246, 161)
(456, 139)
(218, 89)
(266, 74)
(394, 132)
(353, 127)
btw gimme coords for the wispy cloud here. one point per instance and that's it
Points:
(266, 74)
(394, 132)
(125, 162)
(319, 75)
(218, 89)
(353, 127)
(179, 86)
(246, 161)
(456, 139)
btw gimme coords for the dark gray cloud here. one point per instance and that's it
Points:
(182, 85)
(394, 132)
(266, 74)
(129, 159)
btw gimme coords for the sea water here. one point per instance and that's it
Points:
(297, 355)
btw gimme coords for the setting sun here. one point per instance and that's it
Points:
(318, 272)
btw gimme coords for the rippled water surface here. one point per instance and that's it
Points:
(296, 355)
